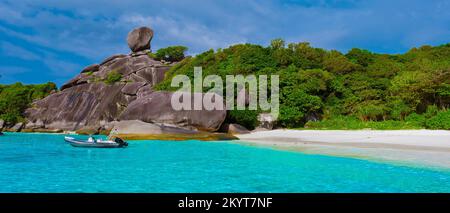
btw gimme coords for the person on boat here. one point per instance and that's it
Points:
(112, 135)
(91, 139)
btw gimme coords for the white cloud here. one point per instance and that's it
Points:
(191, 34)
(83, 36)
(96, 29)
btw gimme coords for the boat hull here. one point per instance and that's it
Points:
(78, 143)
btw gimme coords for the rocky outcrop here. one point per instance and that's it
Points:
(38, 124)
(266, 122)
(79, 106)
(16, 128)
(136, 129)
(90, 103)
(132, 88)
(156, 107)
(2, 124)
(89, 130)
(139, 39)
(234, 129)
(91, 68)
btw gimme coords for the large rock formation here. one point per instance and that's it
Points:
(117, 89)
(234, 129)
(266, 122)
(139, 39)
(16, 128)
(136, 129)
(156, 107)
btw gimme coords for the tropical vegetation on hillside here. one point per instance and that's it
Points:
(15, 98)
(170, 54)
(332, 90)
(321, 89)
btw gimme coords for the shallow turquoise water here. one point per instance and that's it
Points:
(45, 163)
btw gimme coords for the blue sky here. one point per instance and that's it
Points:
(52, 40)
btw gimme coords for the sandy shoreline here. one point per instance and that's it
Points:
(429, 148)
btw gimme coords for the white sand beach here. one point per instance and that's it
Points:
(430, 148)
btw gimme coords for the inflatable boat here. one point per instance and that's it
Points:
(96, 143)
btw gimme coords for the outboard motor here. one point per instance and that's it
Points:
(121, 142)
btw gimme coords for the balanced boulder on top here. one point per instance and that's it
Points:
(139, 39)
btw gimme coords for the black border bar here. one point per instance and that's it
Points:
(267, 201)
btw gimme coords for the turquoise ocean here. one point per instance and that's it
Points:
(45, 163)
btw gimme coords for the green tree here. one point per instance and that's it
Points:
(172, 53)
(360, 56)
(15, 98)
(277, 44)
(336, 62)
(360, 89)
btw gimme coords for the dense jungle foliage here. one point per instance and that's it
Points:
(331, 90)
(15, 98)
